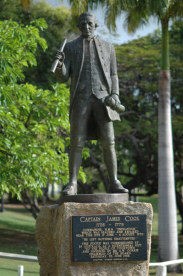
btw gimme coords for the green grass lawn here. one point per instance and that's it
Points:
(10, 268)
(17, 235)
(17, 229)
(154, 247)
(18, 219)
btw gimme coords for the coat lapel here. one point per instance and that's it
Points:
(112, 114)
(101, 56)
(79, 59)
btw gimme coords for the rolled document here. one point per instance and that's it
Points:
(55, 63)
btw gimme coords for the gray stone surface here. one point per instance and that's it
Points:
(53, 233)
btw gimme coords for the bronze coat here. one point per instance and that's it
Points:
(73, 64)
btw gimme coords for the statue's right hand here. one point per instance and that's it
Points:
(60, 56)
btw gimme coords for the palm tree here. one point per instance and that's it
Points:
(26, 4)
(138, 13)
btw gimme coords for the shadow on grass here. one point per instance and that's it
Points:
(6, 269)
(18, 227)
(20, 209)
(18, 219)
(31, 272)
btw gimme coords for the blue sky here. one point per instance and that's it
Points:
(121, 36)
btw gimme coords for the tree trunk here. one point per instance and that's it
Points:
(168, 236)
(26, 4)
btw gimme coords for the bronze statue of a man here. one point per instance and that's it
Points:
(90, 62)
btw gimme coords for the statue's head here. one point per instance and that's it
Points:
(87, 24)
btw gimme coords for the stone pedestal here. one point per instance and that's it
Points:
(54, 238)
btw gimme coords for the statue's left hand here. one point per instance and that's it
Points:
(115, 97)
(114, 102)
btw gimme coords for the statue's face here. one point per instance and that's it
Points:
(87, 26)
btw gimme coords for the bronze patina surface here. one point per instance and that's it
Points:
(90, 63)
(95, 198)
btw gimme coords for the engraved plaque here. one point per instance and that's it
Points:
(109, 238)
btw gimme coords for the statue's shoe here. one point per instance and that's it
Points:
(70, 189)
(116, 188)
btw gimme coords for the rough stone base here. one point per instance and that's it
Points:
(53, 233)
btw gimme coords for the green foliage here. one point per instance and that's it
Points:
(58, 20)
(176, 57)
(33, 122)
(17, 49)
(136, 134)
(58, 26)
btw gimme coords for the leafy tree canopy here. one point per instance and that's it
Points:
(33, 122)
(58, 26)
(138, 66)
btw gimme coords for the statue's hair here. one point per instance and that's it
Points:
(85, 14)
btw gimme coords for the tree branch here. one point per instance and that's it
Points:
(6, 153)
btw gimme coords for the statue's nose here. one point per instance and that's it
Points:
(86, 26)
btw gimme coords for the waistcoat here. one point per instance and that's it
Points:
(92, 79)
